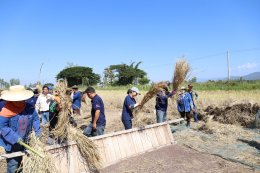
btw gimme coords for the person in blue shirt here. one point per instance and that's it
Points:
(76, 100)
(192, 94)
(128, 106)
(32, 101)
(98, 121)
(2, 102)
(185, 105)
(162, 104)
(17, 119)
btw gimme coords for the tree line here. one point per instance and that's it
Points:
(114, 75)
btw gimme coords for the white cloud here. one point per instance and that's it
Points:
(247, 66)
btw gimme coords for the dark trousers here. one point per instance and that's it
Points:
(187, 115)
(127, 124)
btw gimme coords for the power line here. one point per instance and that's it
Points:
(208, 56)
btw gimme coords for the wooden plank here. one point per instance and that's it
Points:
(109, 149)
(137, 142)
(101, 150)
(117, 149)
(152, 137)
(125, 145)
(130, 144)
(122, 146)
(166, 134)
(145, 140)
(158, 135)
(169, 131)
(161, 131)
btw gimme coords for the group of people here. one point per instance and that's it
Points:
(19, 109)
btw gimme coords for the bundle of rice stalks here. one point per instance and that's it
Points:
(35, 163)
(182, 68)
(65, 132)
(151, 93)
(60, 131)
(88, 149)
(142, 119)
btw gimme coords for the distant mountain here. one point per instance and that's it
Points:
(251, 76)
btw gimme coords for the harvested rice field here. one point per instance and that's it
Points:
(224, 139)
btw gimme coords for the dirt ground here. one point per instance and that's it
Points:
(178, 159)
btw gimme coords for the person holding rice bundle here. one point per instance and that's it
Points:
(162, 104)
(17, 119)
(98, 122)
(185, 105)
(128, 106)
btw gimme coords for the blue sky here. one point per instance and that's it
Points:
(104, 32)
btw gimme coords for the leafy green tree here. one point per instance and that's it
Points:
(79, 75)
(14, 82)
(123, 74)
(193, 80)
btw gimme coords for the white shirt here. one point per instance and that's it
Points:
(43, 102)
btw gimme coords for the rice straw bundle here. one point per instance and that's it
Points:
(64, 131)
(151, 93)
(36, 164)
(182, 68)
(141, 119)
(87, 148)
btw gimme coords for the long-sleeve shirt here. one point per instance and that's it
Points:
(162, 101)
(127, 108)
(184, 102)
(18, 127)
(43, 102)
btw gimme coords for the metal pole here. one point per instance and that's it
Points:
(228, 66)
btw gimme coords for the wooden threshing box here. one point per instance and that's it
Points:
(113, 147)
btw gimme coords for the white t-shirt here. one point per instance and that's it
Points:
(43, 102)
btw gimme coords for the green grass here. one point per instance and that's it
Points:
(204, 86)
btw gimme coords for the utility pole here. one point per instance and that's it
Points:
(228, 69)
(40, 73)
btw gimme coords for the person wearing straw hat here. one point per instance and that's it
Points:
(76, 100)
(128, 106)
(17, 119)
(185, 105)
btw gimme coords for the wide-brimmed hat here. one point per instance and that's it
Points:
(16, 93)
(74, 87)
(135, 90)
(183, 88)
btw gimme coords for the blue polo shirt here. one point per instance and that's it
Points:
(76, 100)
(127, 108)
(97, 104)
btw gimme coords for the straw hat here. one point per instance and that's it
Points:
(16, 93)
